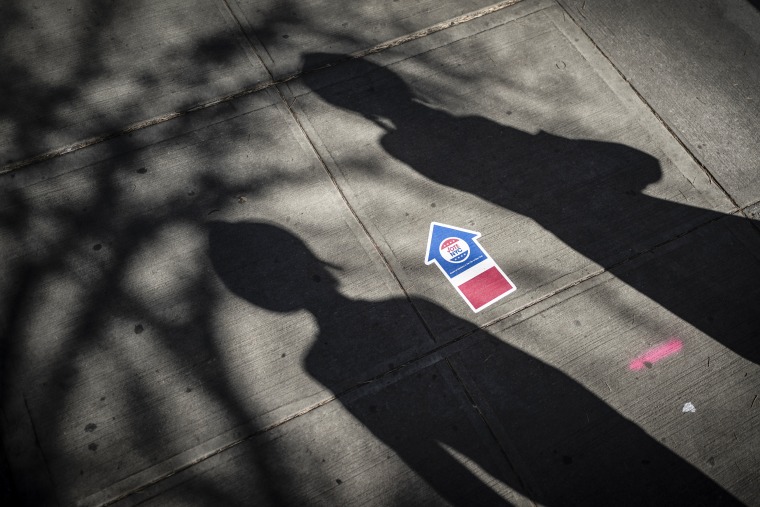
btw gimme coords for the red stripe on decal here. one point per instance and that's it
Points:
(485, 287)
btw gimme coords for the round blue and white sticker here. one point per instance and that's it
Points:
(454, 250)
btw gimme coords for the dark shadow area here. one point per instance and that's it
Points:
(609, 462)
(588, 194)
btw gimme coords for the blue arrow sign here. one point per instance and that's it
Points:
(454, 249)
(466, 265)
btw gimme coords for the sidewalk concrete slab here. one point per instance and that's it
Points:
(198, 312)
(76, 70)
(512, 125)
(154, 294)
(414, 440)
(697, 63)
(283, 31)
(662, 412)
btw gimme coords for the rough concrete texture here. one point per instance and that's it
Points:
(229, 304)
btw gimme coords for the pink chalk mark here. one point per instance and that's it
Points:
(656, 353)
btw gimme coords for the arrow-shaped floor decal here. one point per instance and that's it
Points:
(468, 267)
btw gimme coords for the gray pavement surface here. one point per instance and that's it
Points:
(214, 215)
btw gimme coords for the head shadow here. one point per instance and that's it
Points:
(269, 266)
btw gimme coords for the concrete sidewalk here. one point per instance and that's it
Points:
(214, 218)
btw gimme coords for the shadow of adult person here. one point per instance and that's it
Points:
(619, 463)
(589, 194)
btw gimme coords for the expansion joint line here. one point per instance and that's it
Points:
(484, 419)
